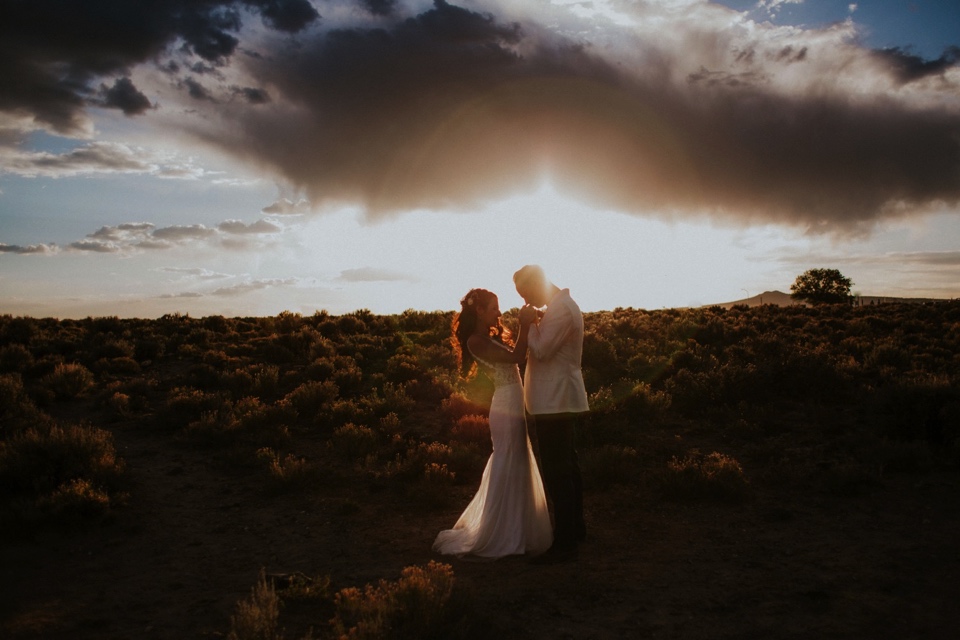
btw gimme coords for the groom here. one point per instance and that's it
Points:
(556, 400)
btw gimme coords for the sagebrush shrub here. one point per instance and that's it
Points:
(714, 476)
(288, 472)
(422, 604)
(472, 428)
(257, 617)
(354, 442)
(69, 380)
(55, 470)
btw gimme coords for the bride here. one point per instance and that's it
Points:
(508, 515)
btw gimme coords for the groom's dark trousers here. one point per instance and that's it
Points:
(556, 437)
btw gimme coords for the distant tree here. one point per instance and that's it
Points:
(821, 286)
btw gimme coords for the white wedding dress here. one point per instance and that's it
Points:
(508, 515)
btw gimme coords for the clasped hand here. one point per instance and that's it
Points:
(528, 314)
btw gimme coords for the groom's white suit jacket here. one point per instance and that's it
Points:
(553, 382)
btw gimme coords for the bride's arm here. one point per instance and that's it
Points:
(488, 350)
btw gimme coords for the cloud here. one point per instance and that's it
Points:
(94, 158)
(195, 272)
(665, 108)
(253, 285)
(51, 53)
(28, 249)
(197, 91)
(255, 228)
(95, 246)
(134, 237)
(285, 206)
(908, 67)
(182, 233)
(371, 274)
(708, 113)
(125, 96)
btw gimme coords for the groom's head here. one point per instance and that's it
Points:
(532, 285)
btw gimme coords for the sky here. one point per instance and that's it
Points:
(246, 157)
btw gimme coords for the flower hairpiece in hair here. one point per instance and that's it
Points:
(470, 302)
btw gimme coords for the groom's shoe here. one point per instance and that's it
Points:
(556, 555)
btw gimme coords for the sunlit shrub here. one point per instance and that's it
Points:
(185, 405)
(458, 405)
(76, 499)
(391, 426)
(252, 413)
(353, 441)
(643, 402)
(402, 367)
(113, 348)
(422, 604)
(266, 382)
(257, 617)
(214, 427)
(68, 381)
(42, 460)
(392, 399)
(472, 428)
(714, 476)
(311, 397)
(320, 369)
(347, 375)
(289, 472)
(119, 405)
(434, 488)
(417, 457)
(342, 411)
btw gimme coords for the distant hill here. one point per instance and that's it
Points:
(781, 299)
(778, 298)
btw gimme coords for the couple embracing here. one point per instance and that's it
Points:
(509, 514)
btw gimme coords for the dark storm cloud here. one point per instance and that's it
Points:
(908, 67)
(452, 107)
(380, 7)
(53, 51)
(196, 90)
(125, 96)
(253, 95)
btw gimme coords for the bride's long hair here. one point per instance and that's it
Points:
(465, 324)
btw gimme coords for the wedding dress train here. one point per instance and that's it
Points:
(508, 515)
